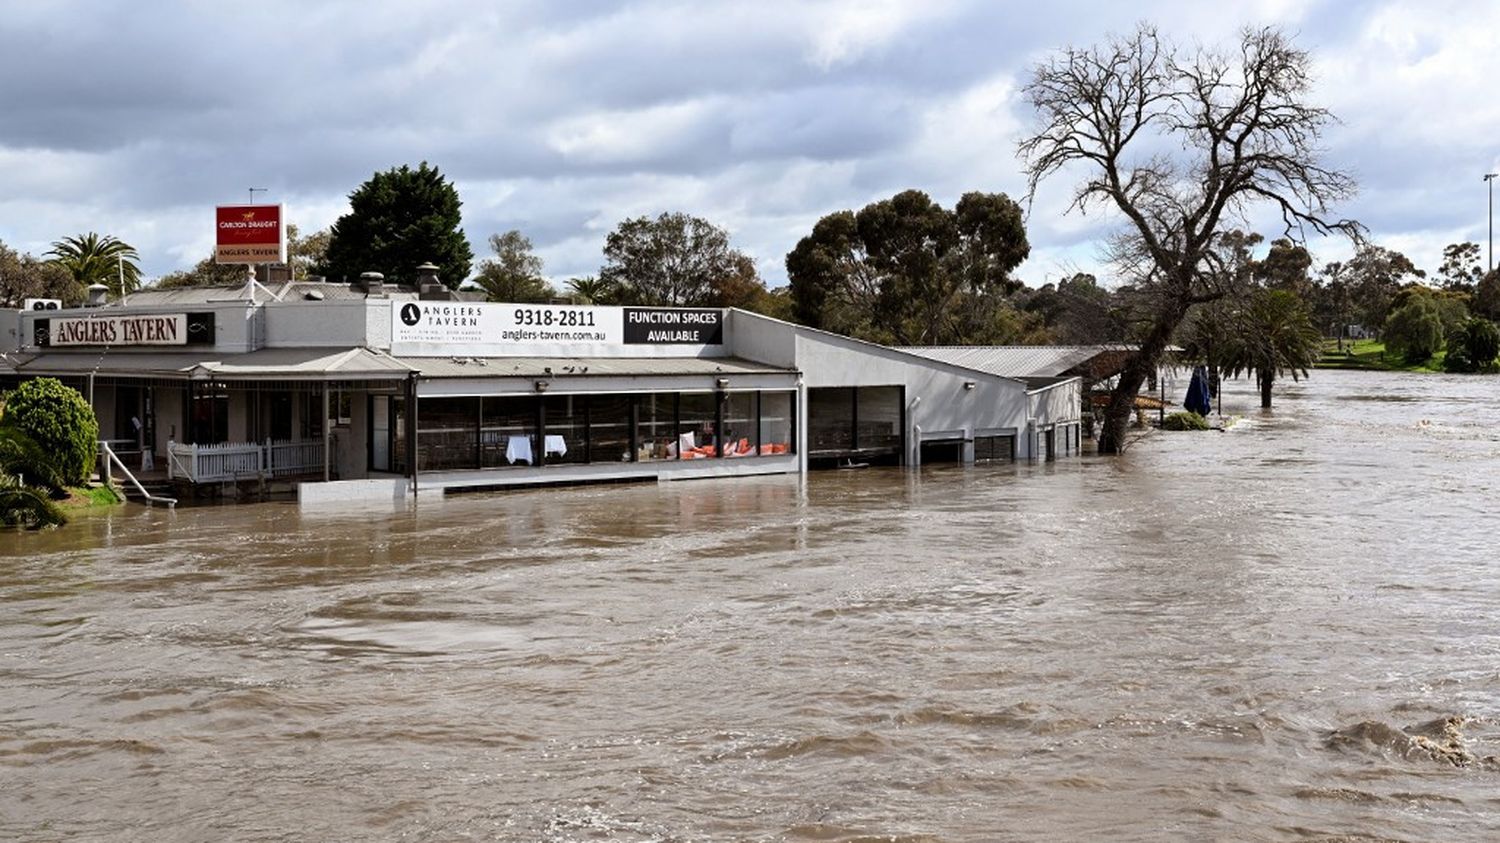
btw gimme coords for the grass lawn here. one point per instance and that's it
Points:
(1371, 354)
(83, 497)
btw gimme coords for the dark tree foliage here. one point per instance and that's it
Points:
(1077, 311)
(1286, 267)
(25, 277)
(907, 271)
(1487, 295)
(59, 421)
(674, 260)
(1474, 347)
(1180, 142)
(399, 220)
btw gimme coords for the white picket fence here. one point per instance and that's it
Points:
(243, 460)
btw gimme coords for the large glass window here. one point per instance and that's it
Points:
(508, 431)
(696, 431)
(830, 419)
(879, 414)
(658, 426)
(609, 428)
(776, 423)
(447, 433)
(566, 422)
(740, 434)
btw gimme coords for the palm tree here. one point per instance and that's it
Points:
(92, 259)
(590, 289)
(1272, 335)
(23, 506)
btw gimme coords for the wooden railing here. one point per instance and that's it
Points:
(243, 460)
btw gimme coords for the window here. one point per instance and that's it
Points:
(776, 423)
(830, 419)
(741, 436)
(879, 415)
(566, 423)
(508, 431)
(609, 428)
(697, 430)
(209, 413)
(340, 407)
(447, 433)
(994, 448)
(657, 422)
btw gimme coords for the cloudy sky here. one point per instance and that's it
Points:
(562, 118)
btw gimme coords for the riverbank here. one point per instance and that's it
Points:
(1371, 356)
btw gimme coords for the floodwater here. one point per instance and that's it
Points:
(1286, 632)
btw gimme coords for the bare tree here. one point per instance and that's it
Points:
(1182, 143)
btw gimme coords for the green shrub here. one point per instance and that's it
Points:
(1184, 421)
(1473, 348)
(60, 422)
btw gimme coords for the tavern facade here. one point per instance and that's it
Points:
(365, 390)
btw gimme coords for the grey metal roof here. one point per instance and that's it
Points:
(288, 291)
(1017, 361)
(266, 363)
(535, 367)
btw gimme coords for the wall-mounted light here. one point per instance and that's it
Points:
(721, 383)
(969, 384)
(541, 386)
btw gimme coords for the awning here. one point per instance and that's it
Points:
(318, 364)
(550, 367)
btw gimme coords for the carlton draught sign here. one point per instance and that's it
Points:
(440, 328)
(249, 234)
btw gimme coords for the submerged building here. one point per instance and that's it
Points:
(369, 390)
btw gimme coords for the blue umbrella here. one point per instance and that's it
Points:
(1197, 394)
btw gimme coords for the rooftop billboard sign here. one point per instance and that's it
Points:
(478, 329)
(249, 234)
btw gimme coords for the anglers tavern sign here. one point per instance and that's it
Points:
(154, 329)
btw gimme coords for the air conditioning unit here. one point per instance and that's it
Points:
(41, 304)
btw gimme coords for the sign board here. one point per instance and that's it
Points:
(153, 329)
(442, 329)
(249, 234)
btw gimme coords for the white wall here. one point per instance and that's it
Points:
(1057, 404)
(296, 324)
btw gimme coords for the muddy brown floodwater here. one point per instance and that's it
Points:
(1286, 632)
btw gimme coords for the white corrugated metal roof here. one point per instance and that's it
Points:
(1016, 361)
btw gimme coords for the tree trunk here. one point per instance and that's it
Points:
(1143, 364)
(1266, 378)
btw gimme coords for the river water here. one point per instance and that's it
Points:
(1286, 632)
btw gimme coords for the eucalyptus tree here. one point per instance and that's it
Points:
(1181, 143)
(908, 271)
